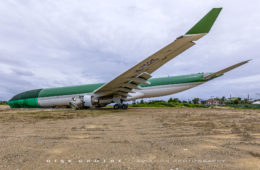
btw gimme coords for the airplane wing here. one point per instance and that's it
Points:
(140, 73)
(221, 72)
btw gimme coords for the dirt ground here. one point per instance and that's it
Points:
(139, 138)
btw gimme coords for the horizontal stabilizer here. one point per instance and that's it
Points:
(205, 24)
(219, 73)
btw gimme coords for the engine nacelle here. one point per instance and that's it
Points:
(90, 101)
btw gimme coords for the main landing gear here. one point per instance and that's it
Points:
(121, 106)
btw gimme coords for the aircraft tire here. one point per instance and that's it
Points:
(116, 107)
(124, 106)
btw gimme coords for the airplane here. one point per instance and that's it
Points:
(134, 83)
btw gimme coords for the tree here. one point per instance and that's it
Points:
(222, 100)
(170, 100)
(203, 101)
(175, 100)
(246, 101)
(196, 101)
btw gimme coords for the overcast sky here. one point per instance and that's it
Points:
(63, 42)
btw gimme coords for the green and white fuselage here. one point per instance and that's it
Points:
(62, 96)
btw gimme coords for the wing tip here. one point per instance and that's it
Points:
(221, 72)
(245, 62)
(205, 24)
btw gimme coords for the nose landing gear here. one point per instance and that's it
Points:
(121, 106)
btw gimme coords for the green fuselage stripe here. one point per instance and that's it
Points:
(60, 91)
(175, 80)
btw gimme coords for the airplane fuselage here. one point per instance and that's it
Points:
(62, 96)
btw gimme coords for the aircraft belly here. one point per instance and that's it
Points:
(163, 90)
(55, 100)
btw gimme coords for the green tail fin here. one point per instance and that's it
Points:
(205, 24)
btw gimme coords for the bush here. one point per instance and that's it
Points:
(3, 103)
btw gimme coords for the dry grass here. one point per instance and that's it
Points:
(32, 115)
(142, 138)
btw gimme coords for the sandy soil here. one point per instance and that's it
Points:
(139, 138)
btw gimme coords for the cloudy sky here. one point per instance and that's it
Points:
(63, 42)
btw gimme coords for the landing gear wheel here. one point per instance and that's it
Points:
(116, 106)
(124, 106)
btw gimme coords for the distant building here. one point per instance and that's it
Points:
(233, 98)
(256, 102)
(212, 102)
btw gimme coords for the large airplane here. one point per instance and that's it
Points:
(133, 84)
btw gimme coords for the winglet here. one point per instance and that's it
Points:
(221, 72)
(205, 24)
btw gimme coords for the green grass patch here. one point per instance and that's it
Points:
(244, 106)
(165, 104)
(32, 115)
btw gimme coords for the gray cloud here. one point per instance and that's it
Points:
(58, 43)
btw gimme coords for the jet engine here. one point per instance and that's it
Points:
(90, 101)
